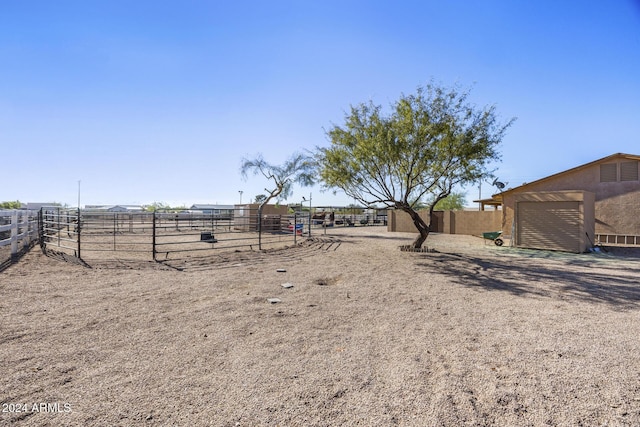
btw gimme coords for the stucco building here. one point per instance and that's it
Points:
(597, 202)
(611, 182)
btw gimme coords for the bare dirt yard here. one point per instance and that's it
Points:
(471, 334)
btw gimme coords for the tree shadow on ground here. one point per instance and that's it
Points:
(562, 279)
(630, 253)
(404, 239)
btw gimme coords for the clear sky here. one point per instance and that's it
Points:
(147, 101)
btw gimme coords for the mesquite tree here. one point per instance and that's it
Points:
(427, 145)
(299, 168)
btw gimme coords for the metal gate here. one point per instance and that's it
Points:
(60, 230)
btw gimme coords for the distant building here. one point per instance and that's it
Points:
(114, 208)
(36, 206)
(222, 210)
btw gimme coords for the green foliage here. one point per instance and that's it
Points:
(428, 144)
(431, 141)
(453, 202)
(298, 207)
(165, 207)
(11, 205)
(260, 198)
(155, 206)
(299, 169)
(353, 209)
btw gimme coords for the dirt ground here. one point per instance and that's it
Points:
(470, 334)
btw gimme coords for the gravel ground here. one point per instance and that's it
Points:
(469, 334)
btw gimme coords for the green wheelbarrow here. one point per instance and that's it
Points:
(495, 236)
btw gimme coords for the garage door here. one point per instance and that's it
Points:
(549, 225)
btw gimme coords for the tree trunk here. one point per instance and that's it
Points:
(423, 228)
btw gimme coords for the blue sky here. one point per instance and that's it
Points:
(159, 100)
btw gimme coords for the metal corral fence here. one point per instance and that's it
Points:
(94, 234)
(18, 232)
(87, 234)
(350, 216)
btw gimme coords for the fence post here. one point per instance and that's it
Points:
(324, 222)
(30, 231)
(23, 234)
(14, 233)
(79, 227)
(26, 230)
(260, 227)
(41, 229)
(295, 227)
(58, 228)
(153, 238)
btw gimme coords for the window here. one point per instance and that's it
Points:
(609, 172)
(629, 171)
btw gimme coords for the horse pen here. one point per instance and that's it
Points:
(93, 236)
(160, 236)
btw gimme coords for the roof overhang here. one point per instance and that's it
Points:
(577, 168)
(495, 200)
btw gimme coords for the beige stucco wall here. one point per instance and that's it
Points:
(401, 221)
(453, 222)
(589, 217)
(472, 222)
(246, 216)
(616, 203)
